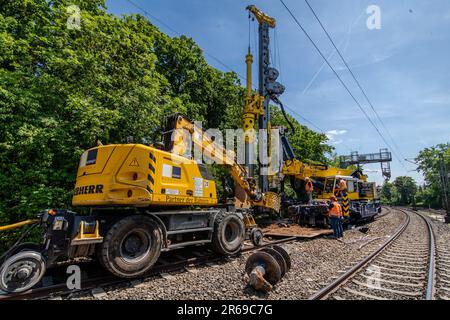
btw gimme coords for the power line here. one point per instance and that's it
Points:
(353, 76)
(313, 124)
(179, 34)
(215, 58)
(339, 78)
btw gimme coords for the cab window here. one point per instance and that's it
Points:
(351, 186)
(329, 186)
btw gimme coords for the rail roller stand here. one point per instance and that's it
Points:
(265, 268)
(23, 265)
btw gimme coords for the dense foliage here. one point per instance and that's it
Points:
(62, 88)
(404, 191)
(401, 192)
(429, 161)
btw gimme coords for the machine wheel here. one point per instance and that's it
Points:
(229, 233)
(22, 271)
(131, 246)
(256, 236)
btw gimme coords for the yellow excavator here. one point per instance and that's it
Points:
(142, 200)
(139, 200)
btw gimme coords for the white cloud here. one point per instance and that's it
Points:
(336, 132)
(332, 134)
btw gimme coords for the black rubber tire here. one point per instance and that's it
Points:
(223, 242)
(112, 252)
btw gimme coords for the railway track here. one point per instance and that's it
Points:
(443, 271)
(93, 276)
(387, 210)
(442, 232)
(402, 268)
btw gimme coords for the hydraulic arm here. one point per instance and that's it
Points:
(184, 131)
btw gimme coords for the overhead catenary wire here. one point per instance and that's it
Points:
(180, 34)
(354, 77)
(338, 77)
(149, 15)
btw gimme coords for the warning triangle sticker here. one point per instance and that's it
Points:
(134, 163)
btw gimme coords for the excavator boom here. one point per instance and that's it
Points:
(182, 132)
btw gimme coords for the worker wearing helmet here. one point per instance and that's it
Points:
(335, 215)
(309, 188)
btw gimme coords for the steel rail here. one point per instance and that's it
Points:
(107, 280)
(431, 280)
(322, 293)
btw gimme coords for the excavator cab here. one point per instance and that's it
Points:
(331, 187)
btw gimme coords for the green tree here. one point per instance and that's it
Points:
(61, 89)
(388, 193)
(428, 163)
(406, 188)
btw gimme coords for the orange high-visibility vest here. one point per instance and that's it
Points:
(336, 211)
(309, 186)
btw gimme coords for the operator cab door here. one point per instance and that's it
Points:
(352, 189)
(332, 187)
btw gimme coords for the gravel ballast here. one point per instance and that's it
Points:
(442, 239)
(315, 263)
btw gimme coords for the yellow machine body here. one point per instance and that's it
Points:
(139, 176)
(331, 186)
(329, 176)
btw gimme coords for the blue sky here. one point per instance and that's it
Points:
(404, 67)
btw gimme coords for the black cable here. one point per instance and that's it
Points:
(337, 75)
(353, 76)
(179, 34)
(277, 101)
(221, 63)
(24, 234)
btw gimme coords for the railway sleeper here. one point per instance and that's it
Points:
(444, 281)
(399, 276)
(405, 258)
(445, 289)
(392, 282)
(401, 260)
(400, 266)
(409, 250)
(365, 295)
(398, 292)
(399, 270)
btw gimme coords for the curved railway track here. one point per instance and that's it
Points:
(443, 271)
(402, 268)
(386, 210)
(442, 231)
